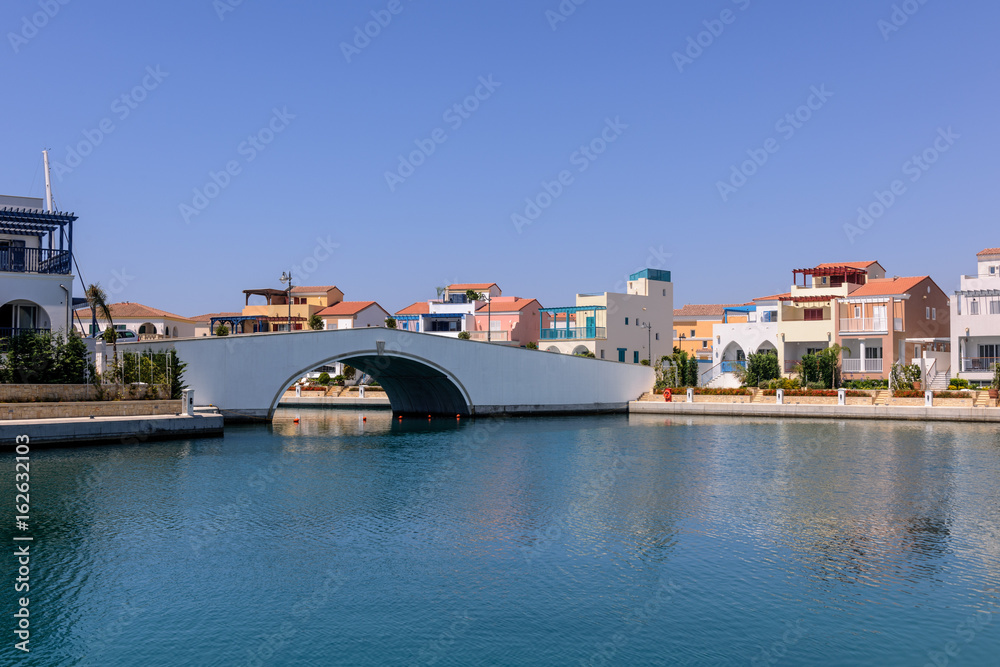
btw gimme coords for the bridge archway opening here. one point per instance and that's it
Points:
(413, 386)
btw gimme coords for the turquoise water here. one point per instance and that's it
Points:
(560, 541)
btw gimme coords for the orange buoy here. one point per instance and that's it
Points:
(364, 419)
(295, 421)
(668, 395)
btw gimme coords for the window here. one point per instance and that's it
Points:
(933, 313)
(657, 336)
(927, 313)
(993, 271)
(704, 344)
(692, 333)
(873, 353)
(811, 314)
(675, 333)
(635, 357)
(621, 354)
(857, 312)
(814, 350)
(973, 307)
(995, 307)
(626, 321)
(602, 354)
(495, 325)
(989, 351)
(664, 292)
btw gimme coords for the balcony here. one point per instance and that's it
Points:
(575, 333)
(35, 260)
(979, 364)
(494, 336)
(14, 332)
(866, 325)
(862, 365)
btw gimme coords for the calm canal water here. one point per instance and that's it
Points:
(559, 541)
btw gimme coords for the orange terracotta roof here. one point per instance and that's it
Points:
(775, 297)
(887, 286)
(418, 308)
(988, 251)
(475, 286)
(346, 308)
(704, 310)
(852, 265)
(129, 310)
(507, 304)
(314, 289)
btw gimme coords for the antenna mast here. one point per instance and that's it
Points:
(48, 182)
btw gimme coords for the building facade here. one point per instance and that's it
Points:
(145, 322)
(975, 319)
(36, 278)
(510, 319)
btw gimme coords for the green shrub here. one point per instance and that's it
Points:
(323, 379)
(761, 367)
(349, 372)
(644, 362)
(464, 335)
(958, 383)
(532, 345)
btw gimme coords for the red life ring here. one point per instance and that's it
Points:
(668, 395)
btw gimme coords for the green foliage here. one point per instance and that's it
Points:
(644, 362)
(349, 372)
(390, 323)
(586, 353)
(44, 358)
(374, 383)
(958, 383)
(315, 322)
(676, 370)
(996, 377)
(822, 367)
(532, 345)
(473, 295)
(221, 329)
(159, 368)
(761, 367)
(867, 384)
(323, 379)
(787, 384)
(691, 376)
(905, 375)
(464, 335)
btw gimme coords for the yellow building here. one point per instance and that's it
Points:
(280, 309)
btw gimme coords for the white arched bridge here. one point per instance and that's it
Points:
(246, 375)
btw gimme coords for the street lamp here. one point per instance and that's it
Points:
(649, 340)
(287, 278)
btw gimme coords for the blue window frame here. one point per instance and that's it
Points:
(626, 321)
(621, 354)
(635, 357)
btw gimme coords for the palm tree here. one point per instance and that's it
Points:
(98, 301)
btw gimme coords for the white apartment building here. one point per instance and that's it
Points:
(975, 320)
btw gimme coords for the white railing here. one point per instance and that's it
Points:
(862, 365)
(864, 324)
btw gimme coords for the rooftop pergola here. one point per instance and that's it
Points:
(268, 294)
(47, 226)
(843, 274)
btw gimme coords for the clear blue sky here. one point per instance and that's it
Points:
(655, 186)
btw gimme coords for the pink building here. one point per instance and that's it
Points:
(510, 319)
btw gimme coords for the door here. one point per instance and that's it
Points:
(879, 322)
(591, 327)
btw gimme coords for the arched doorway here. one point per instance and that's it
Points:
(22, 316)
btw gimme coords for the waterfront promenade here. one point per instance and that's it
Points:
(817, 411)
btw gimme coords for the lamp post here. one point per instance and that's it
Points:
(287, 278)
(649, 340)
(489, 317)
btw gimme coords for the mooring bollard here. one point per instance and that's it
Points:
(187, 402)
(298, 390)
(841, 397)
(781, 396)
(690, 395)
(928, 399)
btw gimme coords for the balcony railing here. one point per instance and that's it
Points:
(34, 260)
(864, 325)
(983, 364)
(731, 366)
(575, 333)
(494, 336)
(862, 365)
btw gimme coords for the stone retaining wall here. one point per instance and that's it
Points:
(34, 393)
(53, 410)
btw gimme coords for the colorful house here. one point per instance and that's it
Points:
(509, 319)
(744, 330)
(628, 327)
(693, 325)
(449, 315)
(281, 310)
(975, 318)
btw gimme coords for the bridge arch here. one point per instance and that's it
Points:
(413, 384)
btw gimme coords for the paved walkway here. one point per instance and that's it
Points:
(911, 413)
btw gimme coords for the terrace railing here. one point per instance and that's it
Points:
(575, 333)
(34, 260)
(985, 364)
(862, 365)
(864, 325)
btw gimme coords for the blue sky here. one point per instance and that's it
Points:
(200, 78)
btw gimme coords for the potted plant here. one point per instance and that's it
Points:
(995, 385)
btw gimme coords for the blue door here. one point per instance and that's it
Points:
(591, 328)
(621, 354)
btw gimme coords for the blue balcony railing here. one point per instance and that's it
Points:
(34, 260)
(14, 332)
(575, 333)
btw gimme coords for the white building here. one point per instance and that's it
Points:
(353, 315)
(36, 278)
(629, 328)
(744, 330)
(145, 322)
(975, 320)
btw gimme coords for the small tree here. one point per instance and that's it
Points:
(323, 379)
(472, 295)
(315, 322)
(221, 329)
(464, 335)
(532, 345)
(349, 372)
(390, 322)
(692, 372)
(761, 367)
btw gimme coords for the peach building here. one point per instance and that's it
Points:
(510, 319)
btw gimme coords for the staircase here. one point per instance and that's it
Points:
(882, 397)
(940, 381)
(983, 400)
